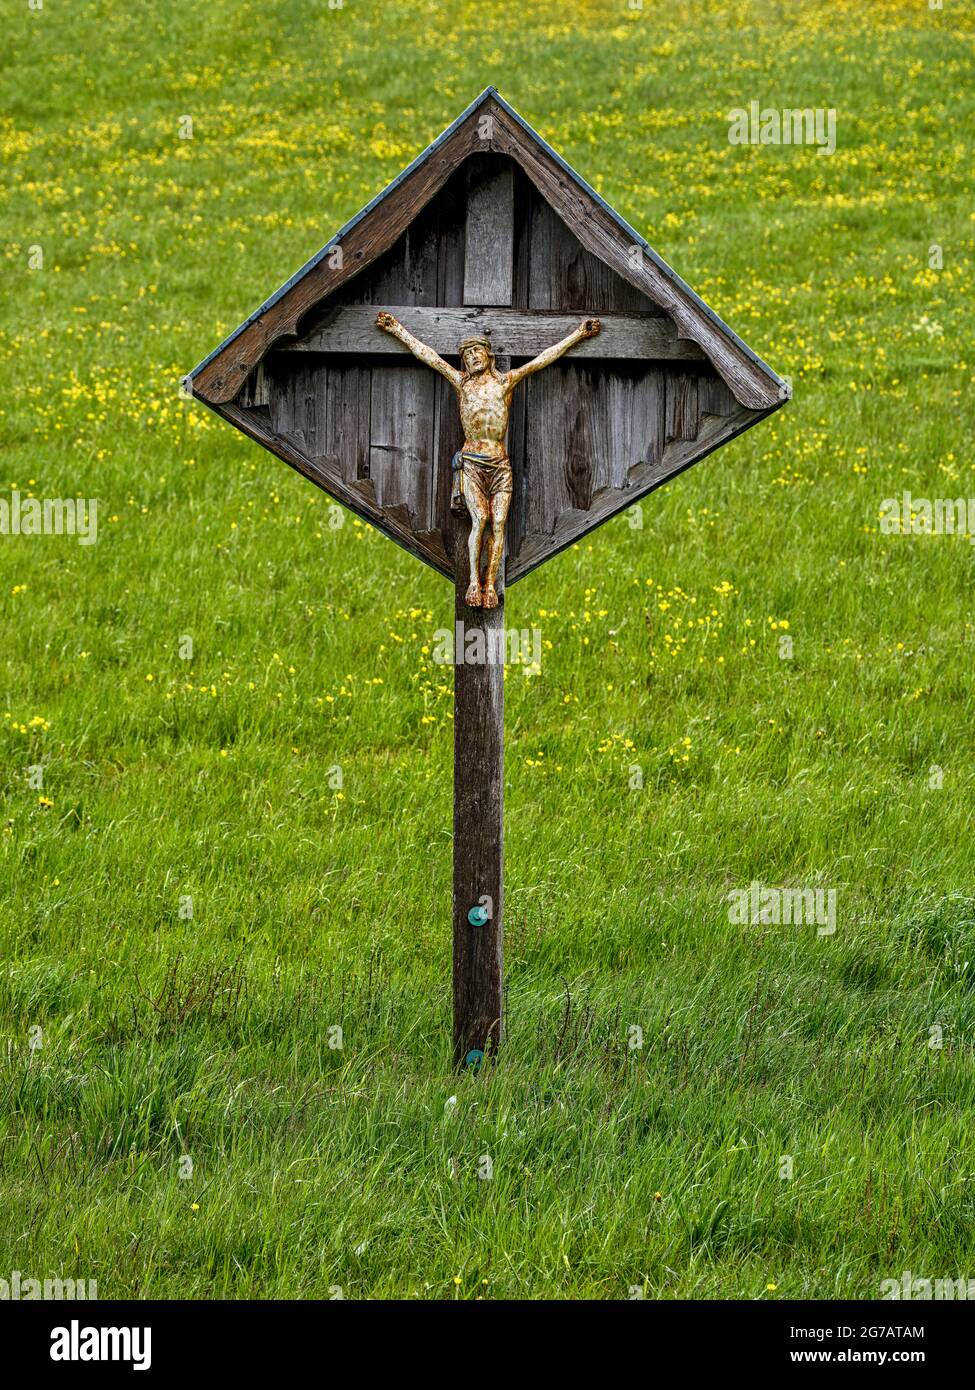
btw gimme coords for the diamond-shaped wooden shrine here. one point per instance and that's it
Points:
(488, 232)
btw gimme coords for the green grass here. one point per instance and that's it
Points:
(315, 907)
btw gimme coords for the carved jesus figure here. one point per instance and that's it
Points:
(482, 469)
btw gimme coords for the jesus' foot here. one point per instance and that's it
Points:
(473, 597)
(490, 597)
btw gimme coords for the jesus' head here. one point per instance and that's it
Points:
(476, 355)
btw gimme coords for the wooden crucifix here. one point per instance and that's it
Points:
(482, 476)
(487, 260)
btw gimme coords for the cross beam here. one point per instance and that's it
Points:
(513, 332)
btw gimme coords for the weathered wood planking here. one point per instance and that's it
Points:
(326, 472)
(563, 275)
(714, 396)
(403, 276)
(348, 418)
(515, 332)
(561, 432)
(517, 451)
(254, 391)
(447, 439)
(552, 439)
(585, 431)
(635, 414)
(296, 401)
(423, 267)
(570, 433)
(682, 406)
(452, 212)
(489, 239)
(410, 276)
(401, 441)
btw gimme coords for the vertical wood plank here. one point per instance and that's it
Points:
(517, 420)
(407, 272)
(714, 396)
(649, 420)
(489, 242)
(452, 208)
(544, 449)
(296, 400)
(565, 431)
(347, 417)
(447, 439)
(447, 435)
(401, 442)
(523, 195)
(682, 406)
(633, 423)
(563, 275)
(254, 390)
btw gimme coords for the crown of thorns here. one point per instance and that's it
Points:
(475, 342)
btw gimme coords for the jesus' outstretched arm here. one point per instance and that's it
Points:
(587, 329)
(424, 354)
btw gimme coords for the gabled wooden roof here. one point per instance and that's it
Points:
(600, 229)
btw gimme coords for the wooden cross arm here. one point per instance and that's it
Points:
(351, 328)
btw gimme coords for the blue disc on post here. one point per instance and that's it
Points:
(478, 915)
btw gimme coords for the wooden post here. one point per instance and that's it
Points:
(478, 825)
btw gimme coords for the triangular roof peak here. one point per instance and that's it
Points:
(600, 229)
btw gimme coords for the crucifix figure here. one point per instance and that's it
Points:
(482, 469)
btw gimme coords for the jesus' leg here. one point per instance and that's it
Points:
(478, 506)
(500, 503)
(489, 593)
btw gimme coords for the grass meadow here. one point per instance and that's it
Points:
(191, 904)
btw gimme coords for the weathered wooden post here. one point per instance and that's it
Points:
(486, 363)
(478, 835)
